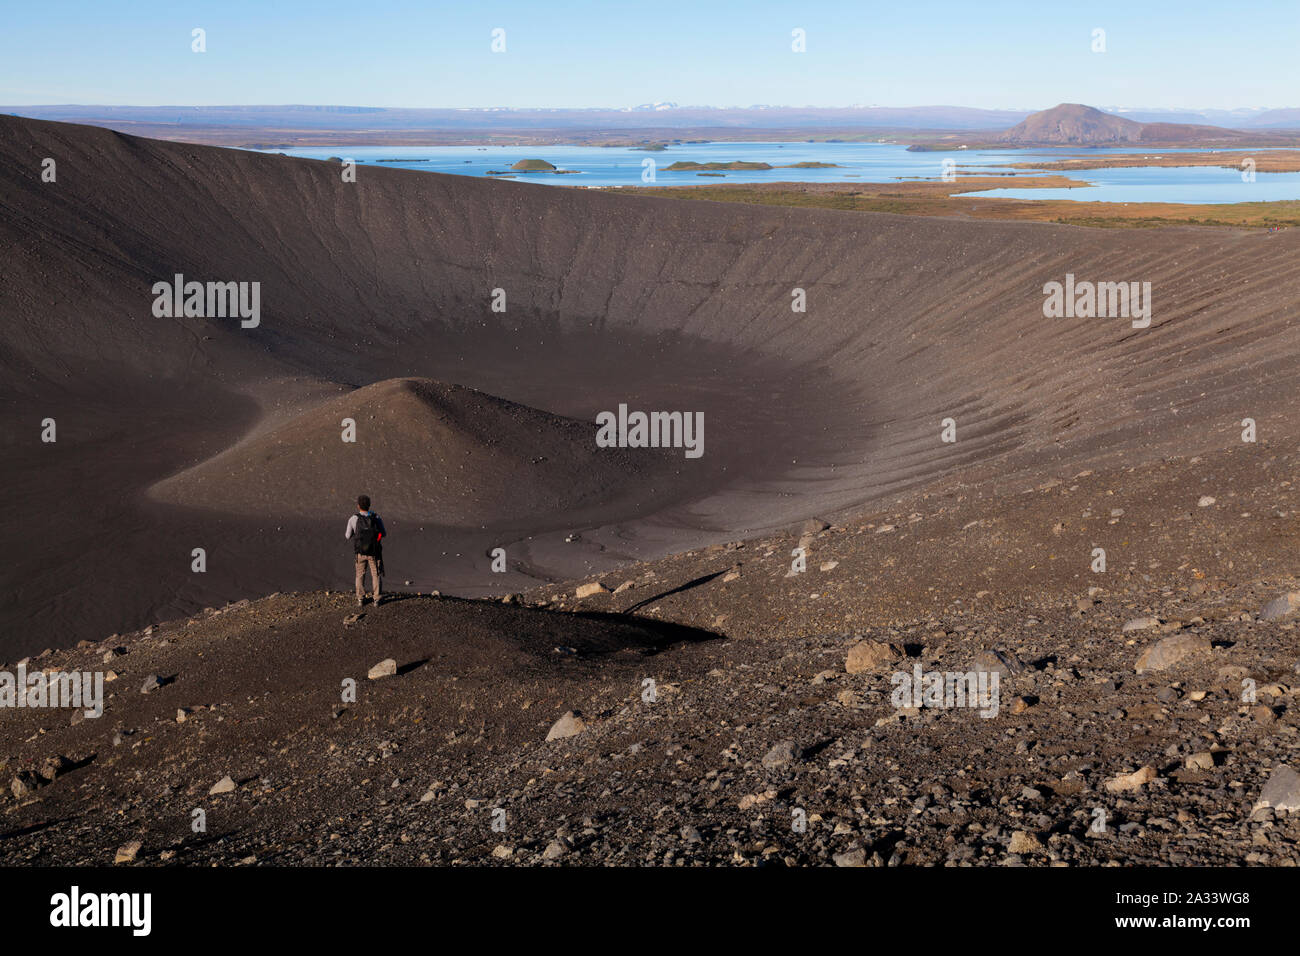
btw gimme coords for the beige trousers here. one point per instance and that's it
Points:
(364, 561)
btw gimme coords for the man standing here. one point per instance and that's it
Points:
(366, 529)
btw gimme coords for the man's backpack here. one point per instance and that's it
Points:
(366, 540)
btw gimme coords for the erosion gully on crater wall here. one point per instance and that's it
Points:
(379, 301)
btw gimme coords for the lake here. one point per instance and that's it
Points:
(860, 162)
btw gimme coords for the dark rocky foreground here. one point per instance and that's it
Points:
(756, 745)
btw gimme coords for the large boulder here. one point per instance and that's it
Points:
(385, 668)
(570, 725)
(1003, 662)
(781, 756)
(1282, 791)
(1281, 607)
(869, 655)
(1170, 651)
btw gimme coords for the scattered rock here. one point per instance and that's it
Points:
(1200, 761)
(1170, 651)
(781, 756)
(570, 725)
(853, 858)
(587, 590)
(24, 784)
(53, 767)
(1023, 842)
(754, 799)
(1281, 607)
(151, 684)
(1131, 781)
(385, 668)
(1002, 661)
(1282, 791)
(1263, 714)
(224, 785)
(1140, 624)
(870, 655)
(127, 851)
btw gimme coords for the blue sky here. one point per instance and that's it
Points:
(996, 53)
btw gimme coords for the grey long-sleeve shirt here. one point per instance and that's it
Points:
(352, 525)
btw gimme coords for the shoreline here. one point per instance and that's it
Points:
(951, 200)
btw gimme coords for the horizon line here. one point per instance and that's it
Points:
(641, 106)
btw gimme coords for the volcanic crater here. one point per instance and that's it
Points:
(373, 291)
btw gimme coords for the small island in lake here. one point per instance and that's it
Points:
(689, 167)
(684, 166)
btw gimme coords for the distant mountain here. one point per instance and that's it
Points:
(1232, 119)
(1276, 119)
(1157, 134)
(1072, 124)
